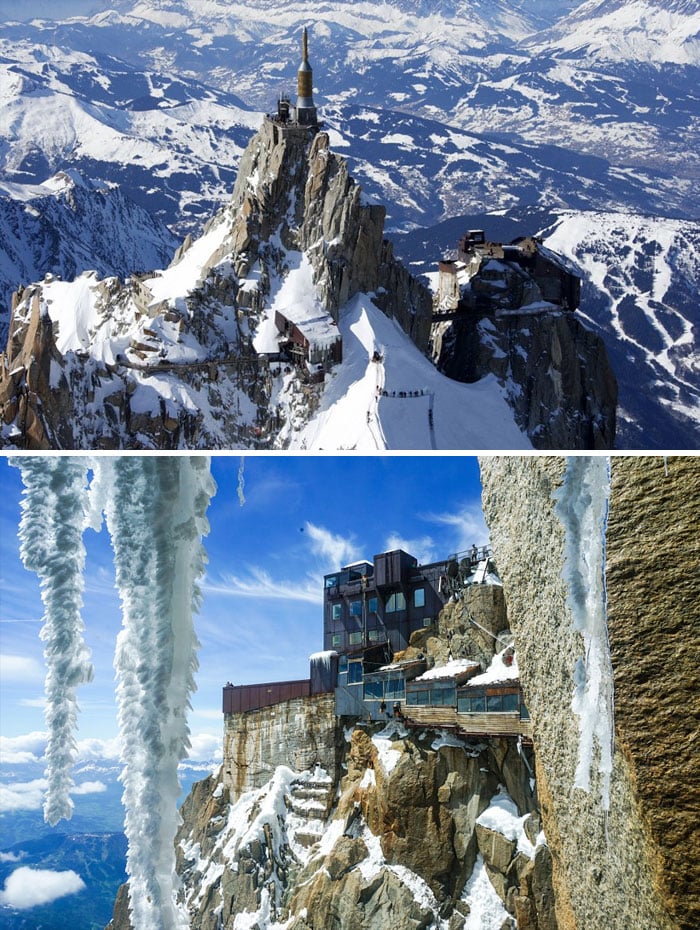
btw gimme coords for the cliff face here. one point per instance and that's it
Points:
(323, 823)
(170, 359)
(301, 734)
(421, 830)
(556, 371)
(637, 865)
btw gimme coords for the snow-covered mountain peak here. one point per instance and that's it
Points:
(287, 323)
(643, 31)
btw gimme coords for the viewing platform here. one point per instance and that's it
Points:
(486, 724)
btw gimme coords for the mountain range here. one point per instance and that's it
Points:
(442, 111)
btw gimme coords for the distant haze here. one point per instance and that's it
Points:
(50, 9)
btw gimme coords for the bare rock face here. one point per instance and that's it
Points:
(300, 733)
(557, 372)
(34, 392)
(305, 192)
(637, 865)
(653, 562)
(454, 636)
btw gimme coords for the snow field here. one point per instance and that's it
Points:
(355, 413)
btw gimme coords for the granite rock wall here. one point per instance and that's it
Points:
(638, 865)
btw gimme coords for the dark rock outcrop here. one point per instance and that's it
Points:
(556, 371)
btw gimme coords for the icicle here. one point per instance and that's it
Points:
(156, 517)
(51, 535)
(582, 508)
(241, 482)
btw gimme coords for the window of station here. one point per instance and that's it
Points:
(419, 597)
(372, 605)
(438, 695)
(342, 663)
(373, 690)
(355, 608)
(337, 611)
(331, 581)
(418, 697)
(475, 704)
(337, 639)
(502, 703)
(444, 695)
(355, 638)
(375, 636)
(395, 602)
(488, 703)
(354, 672)
(395, 688)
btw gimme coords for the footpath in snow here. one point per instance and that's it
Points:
(402, 401)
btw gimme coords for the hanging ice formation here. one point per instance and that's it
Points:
(51, 544)
(156, 515)
(241, 482)
(583, 508)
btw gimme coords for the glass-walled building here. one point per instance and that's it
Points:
(383, 601)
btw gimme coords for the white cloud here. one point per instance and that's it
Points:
(27, 887)
(30, 747)
(336, 551)
(209, 713)
(423, 548)
(20, 668)
(468, 524)
(205, 747)
(22, 795)
(91, 750)
(261, 584)
(11, 857)
(17, 750)
(89, 787)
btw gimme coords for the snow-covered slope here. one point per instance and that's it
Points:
(640, 290)
(401, 401)
(171, 144)
(656, 31)
(68, 225)
(641, 277)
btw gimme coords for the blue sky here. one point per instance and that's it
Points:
(261, 618)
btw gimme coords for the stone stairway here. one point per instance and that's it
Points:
(309, 804)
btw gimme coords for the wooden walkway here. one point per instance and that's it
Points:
(494, 724)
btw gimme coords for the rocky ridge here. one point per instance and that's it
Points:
(167, 360)
(176, 359)
(556, 372)
(375, 826)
